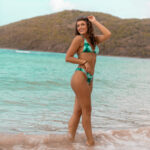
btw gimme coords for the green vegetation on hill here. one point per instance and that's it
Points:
(54, 32)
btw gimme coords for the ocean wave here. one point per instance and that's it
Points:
(127, 139)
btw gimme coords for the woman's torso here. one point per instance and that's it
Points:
(89, 56)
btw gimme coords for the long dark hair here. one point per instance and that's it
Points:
(90, 30)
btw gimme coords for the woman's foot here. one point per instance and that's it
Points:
(90, 143)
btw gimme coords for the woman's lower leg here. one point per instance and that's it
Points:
(74, 120)
(73, 125)
(86, 122)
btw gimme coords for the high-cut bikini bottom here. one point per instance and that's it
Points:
(88, 75)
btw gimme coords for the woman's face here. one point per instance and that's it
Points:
(82, 27)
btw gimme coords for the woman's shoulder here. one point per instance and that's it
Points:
(78, 38)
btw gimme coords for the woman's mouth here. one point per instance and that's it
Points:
(81, 30)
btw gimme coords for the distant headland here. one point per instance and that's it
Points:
(54, 33)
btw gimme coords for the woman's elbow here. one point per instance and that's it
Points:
(67, 59)
(109, 35)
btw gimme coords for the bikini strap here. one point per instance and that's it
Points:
(85, 41)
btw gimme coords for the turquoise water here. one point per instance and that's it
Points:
(36, 97)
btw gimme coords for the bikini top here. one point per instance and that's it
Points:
(88, 49)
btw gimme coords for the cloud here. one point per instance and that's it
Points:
(59, 5)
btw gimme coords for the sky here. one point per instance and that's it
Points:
(16, 10)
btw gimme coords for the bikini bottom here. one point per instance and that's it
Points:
(88, 75)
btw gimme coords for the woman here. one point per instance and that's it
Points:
(85, 45)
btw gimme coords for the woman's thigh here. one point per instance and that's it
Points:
(81, 89)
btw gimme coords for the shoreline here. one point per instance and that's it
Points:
(64, 53)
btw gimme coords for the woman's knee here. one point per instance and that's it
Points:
(78, 112)
(86, 110)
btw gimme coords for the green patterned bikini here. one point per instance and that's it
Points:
(87, 49)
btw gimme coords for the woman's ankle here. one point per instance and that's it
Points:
(90, 142)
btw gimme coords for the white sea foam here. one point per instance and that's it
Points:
(128, 139)
(20, 51)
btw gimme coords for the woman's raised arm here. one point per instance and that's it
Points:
(106, 33)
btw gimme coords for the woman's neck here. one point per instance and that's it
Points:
(85, 36)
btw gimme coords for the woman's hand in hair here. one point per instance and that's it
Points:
(91, 18)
